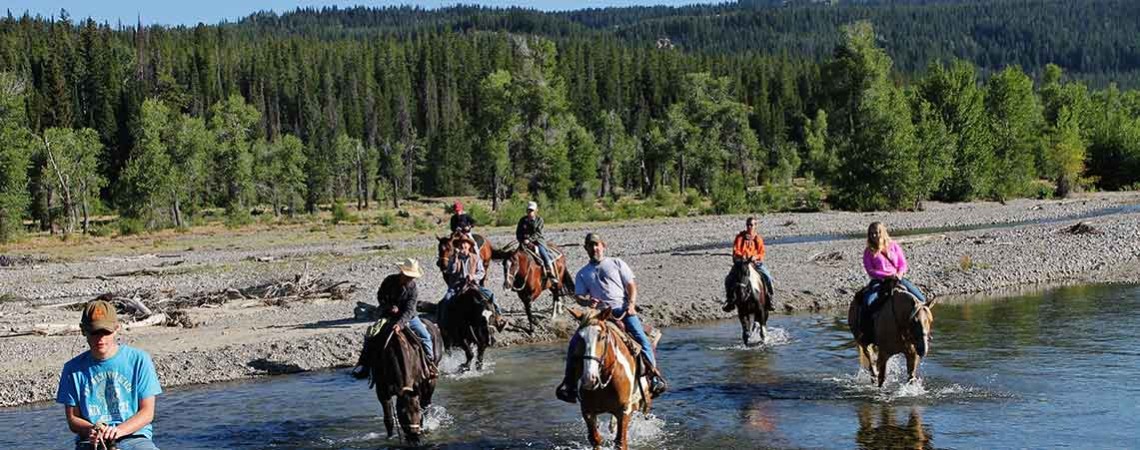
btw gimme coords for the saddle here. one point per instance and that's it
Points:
(865, 315)
(479, 241)
(382, 329)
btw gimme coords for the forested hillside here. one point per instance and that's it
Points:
(287, 113)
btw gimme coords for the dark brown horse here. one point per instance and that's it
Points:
(467, 325)
(751, 297)
(902, 324)
(395, 361)
(446, 248)
(610, 382)
(523, 273)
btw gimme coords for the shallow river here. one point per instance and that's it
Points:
(1044, 370)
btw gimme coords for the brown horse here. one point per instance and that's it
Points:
(446, 247)
(523, 273)
(750, 296)
(395, 362)
(610, 382)
(902, 324)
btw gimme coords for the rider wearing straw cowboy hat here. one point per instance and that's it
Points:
(398, 298)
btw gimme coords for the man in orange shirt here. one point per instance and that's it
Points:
(749, 247)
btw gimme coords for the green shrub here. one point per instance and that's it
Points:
(238, 218)
(421, 224)
(728, 195)
(340, 214)
(510, 211)
(386, 219)
(481, 214)
(130, 226)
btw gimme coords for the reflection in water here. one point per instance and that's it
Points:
(760, 416)
(887, 433)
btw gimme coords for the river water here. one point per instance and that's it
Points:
(1053, 369)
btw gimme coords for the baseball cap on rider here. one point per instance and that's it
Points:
(532, 206)
(99, 315)
(592, 238)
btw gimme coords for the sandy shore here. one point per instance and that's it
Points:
(680, 265)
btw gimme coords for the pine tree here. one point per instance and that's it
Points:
(15, 156)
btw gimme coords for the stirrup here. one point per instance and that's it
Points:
(657, 386)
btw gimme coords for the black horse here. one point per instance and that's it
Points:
(751, 304)
(466, 324)
(399, 373)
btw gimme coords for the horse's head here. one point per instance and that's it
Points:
(922, 326)
(445, 249)
(594, 347)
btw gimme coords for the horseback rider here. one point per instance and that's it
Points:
(529, 234)
(609, 282)
(461, 221)
(463, 271)
(883, 260)
(748, 248)
(398, 297)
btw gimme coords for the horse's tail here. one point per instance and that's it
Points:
(502, 253)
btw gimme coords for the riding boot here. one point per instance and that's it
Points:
(729, 305)
(770, 305)
(360, 371)
(568, 390)
(657, 383)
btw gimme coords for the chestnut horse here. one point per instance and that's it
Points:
(523, 273)
(902, 324)
(394, 359)
(750, 296)
(610, 382)
(446, 248)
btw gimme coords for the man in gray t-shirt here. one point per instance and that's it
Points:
(608, 283)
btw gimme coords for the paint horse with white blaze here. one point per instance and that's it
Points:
(610, 380)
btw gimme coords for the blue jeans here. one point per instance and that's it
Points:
(632, 326)
(417, 326)
(760, 267)
(133, 442)
(873, 291)
(544, 253)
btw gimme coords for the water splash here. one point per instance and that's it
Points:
(449, 367)
(436, 417)
(645, 431)
(775, 336)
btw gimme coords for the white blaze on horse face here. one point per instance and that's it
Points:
(591, 360)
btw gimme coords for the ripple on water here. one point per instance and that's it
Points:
(775, 336)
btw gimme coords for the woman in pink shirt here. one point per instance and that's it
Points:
(884, 259)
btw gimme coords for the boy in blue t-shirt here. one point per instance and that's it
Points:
(108, 393)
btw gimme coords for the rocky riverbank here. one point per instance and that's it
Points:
(680, 265)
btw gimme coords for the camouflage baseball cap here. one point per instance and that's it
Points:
(592, 238)
(99, 315)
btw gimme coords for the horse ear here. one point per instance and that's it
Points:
(605, 314)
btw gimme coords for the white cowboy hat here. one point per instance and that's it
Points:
(410, 268)
(531, 206)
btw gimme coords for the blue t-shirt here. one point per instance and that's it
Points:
(604, 281)
(109, 391)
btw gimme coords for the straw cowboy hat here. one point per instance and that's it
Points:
(410, 268)
(461, 239)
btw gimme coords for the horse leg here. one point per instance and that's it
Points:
(470, 354)
(912, 361)
(881, 365)
(526, 300)
(480, 348)
(556, 306)
(389, 414)
(745, 326)
(621, 436)
(592, 433)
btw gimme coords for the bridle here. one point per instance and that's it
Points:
(604, 336)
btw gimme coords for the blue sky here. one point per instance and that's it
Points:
(190, 12)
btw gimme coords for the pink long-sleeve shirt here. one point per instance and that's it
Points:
(880, 266)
